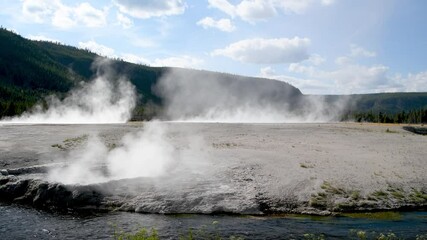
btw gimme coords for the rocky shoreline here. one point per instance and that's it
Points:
(17, 187)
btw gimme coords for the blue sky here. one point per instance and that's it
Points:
(319, 46)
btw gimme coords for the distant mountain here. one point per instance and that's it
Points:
(31, 70)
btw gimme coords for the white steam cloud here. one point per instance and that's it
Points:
(198, 96)
(147, 153)
(103, 100)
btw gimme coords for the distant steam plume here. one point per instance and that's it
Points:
(205, 97)
(105, 99)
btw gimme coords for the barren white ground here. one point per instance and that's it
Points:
(253, 168)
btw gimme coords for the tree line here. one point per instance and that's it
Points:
(415, 116)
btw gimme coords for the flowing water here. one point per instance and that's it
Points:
(24, 223)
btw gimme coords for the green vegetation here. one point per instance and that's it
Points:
(71, 143)
(204, 232)
(412, 116)
(192, 234)
(142, 234)
(375, 215)
(335, 199)
(364, 235)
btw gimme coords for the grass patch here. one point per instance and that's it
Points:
(390, 131)
(71, 143)
(205, 232)
(375, 215)
(355, 195)
(142, 234)
(418, 197)
(380, 194)
(332, 190)
(304, 165)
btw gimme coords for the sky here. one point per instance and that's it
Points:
(319, 46)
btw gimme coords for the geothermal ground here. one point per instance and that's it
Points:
(216, 168)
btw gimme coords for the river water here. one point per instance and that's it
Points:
(17, 222)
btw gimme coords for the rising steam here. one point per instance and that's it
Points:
(198, 96)
(103, 100)
(146, 153)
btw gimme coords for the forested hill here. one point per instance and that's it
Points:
(31, 70)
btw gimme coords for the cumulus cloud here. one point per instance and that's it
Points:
(183, 61)
(97, 48)
(150, 8)
(132, 58)
(267, 51)
(328, 2)
(177, 61)
(42, 38)
(356, 78)
(357, 51)
(90, 16)
(300, 68)
(253, 10)
(316, 59)
(124, 21)
(224, 6)
(37, 10)
(410, 83)
(222, 24)
(62, 15)
(306, 85)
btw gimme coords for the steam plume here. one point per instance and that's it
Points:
(147, 153)
(198, 96)
(103, 100)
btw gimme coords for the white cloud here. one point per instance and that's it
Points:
(124, 21)
(357, 51)
(343, 60)
(267, 51)
(294, 6)
(358, 78)
(306, 85)
(300, 68)
(223, 24)
(89, 15)
(42, 38)
(267, 72)
(411, 83)
(328, 2)
(38, 10)
(132, 58)
(98, 48)
(224, 6)
(150, 8)
(64, 16)
(316, 59)
(178, 61)
(253, 10)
